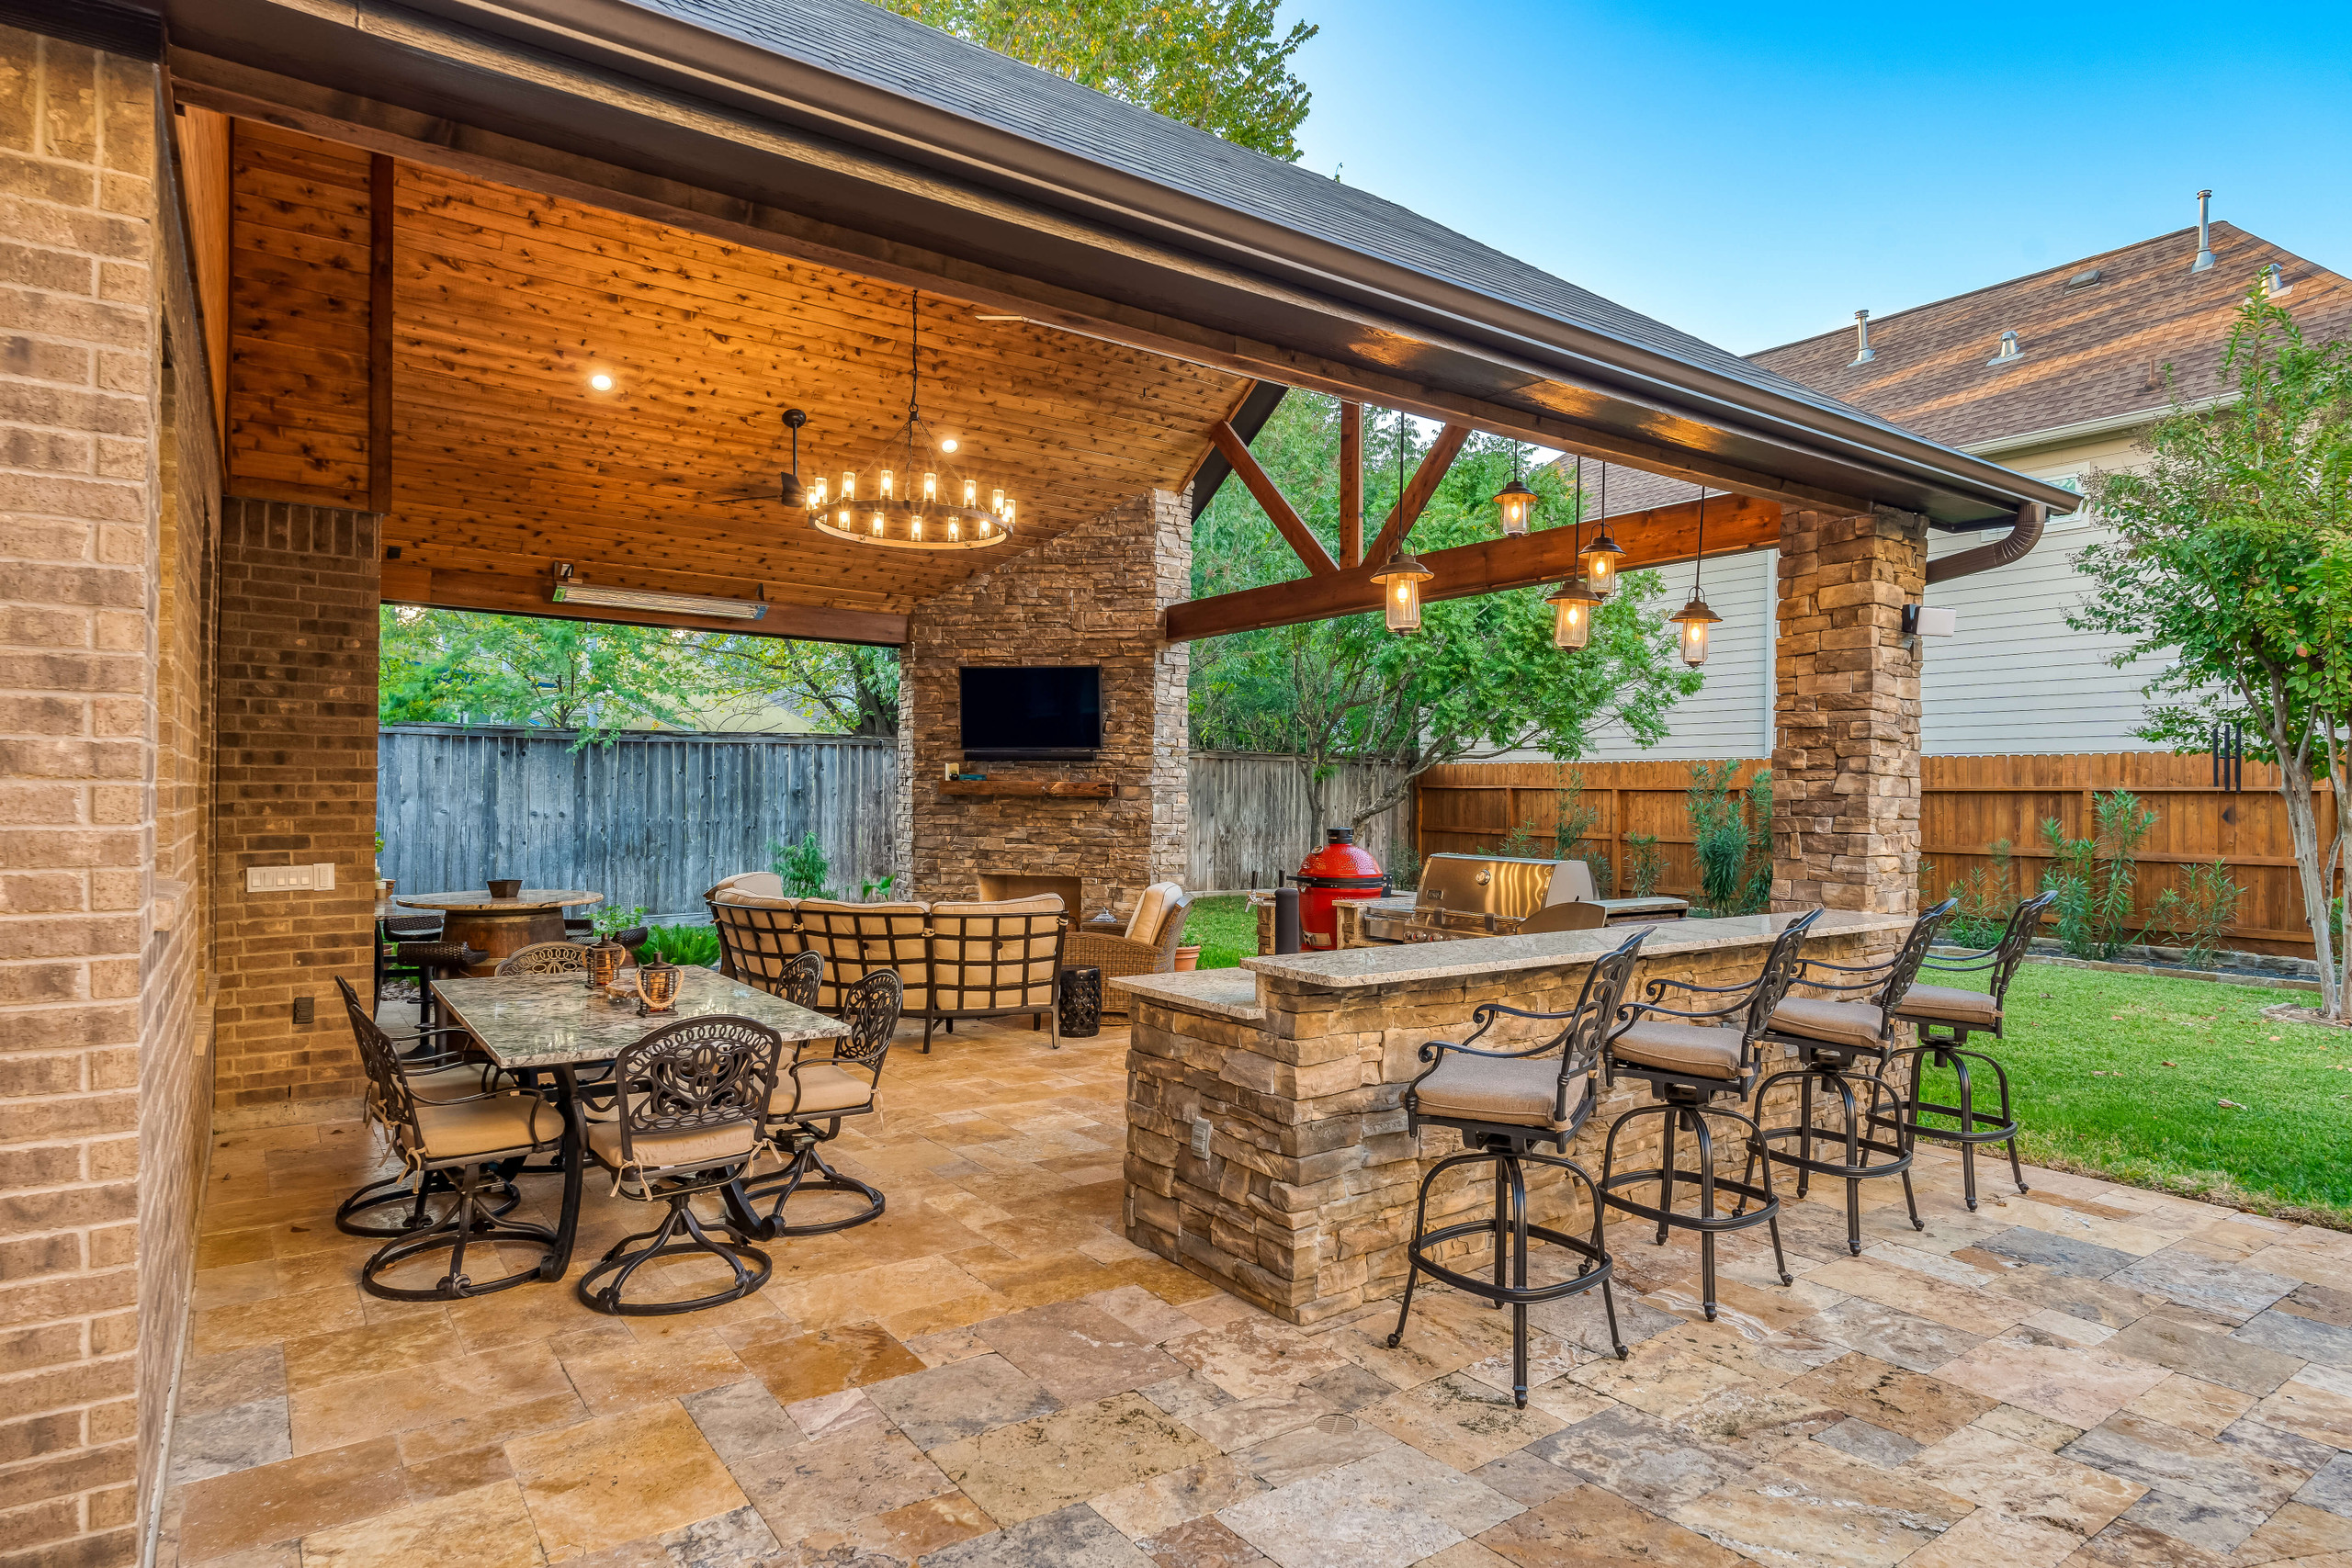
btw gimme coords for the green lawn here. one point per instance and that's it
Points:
(2086, 1054)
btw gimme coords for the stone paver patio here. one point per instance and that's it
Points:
(990, 1377)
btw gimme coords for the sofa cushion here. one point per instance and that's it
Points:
(995, 956)
(1858, 1024)
(1151, 910)
(762, 889)
(1948, 1004)
(857, 939)
(1519, 1090)
(1696, 1049)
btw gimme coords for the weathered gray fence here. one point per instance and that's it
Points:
(652, 820)
(1250, 818)
(656, 818)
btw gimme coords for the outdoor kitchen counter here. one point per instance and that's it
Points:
(1296, 1063)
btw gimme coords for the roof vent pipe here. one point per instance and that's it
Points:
(1863, 351)
(2204, 262)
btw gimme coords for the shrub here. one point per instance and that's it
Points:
(2195, 914)
(696, 945)
(1987, 899)
(1572, 826)
(2093, 877)
(1732, 833)
(805, 872)
(1403, 863)
(1644, 864)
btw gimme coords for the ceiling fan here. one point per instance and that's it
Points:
(788, 490)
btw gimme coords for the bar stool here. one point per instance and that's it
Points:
(1945, 1017)
(431, 960)
(464, 1140)
(1691, 1066)
(1504, 1103)
(814, 1093)
(1831, 1037)
(692, 1100)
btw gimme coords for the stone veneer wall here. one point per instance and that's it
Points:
(1846, 751)
(106, 496)
(1306, 1200)
(1093, 596)
(297, 663)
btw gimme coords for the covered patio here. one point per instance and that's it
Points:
(503, 308)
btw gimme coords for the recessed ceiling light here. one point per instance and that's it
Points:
(948, 445)
(601, 381)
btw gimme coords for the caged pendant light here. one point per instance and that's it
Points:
(1600, 558)
(1516, 502)
(1573, 603)
(1691, 620)
(905, 509)
(1402, 577)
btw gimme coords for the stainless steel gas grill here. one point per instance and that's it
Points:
(1475, 896)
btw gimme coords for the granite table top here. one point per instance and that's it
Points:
(1356, 968)
(547, 1021)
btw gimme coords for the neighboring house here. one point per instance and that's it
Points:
(2100, 347)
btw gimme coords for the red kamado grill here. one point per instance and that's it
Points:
(1338, 869)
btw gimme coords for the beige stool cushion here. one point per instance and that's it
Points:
(823, 1088)
(1836, 1024)
(663, 1151)
(1697, 1049)
(480, 1128)
(457, 1082)
(1948, 1004)
(1481, 1088)
(1151, 910)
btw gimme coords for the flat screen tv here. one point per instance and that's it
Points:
(1032, 712)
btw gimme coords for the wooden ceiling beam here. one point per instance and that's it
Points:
(1660, 537)
(1433, 466)
(1287, 520)
(507, 596)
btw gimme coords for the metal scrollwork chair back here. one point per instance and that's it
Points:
(797, 980)
(544, 958)
(697, 1075)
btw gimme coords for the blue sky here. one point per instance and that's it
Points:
(1754, 173)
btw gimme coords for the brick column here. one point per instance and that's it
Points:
(1093, 596)
(1846, 749)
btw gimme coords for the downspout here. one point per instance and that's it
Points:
(2007, 550)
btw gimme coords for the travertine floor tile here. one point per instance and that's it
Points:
(1389, 1510)
(1586, 1527)
(486, 1527)
(1037, 1467)
(283, 1501)
(961, 1399)
(613, 1478)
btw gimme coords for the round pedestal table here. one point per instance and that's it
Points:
(501, 927)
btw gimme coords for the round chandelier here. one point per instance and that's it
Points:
(909, 496)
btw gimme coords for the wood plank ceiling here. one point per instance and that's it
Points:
(501, 460)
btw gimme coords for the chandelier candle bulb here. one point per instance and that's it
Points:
(929, 488)
(849, 486)
(885, 484)
(971, 492)
(817, 496)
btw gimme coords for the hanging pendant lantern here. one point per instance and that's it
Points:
(1573, 607)
(1691, 620)
(1400, 582)
(1600, 558)
(1517, 502)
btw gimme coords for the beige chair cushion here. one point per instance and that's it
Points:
(1836, 1024)
(1143, 926)
(665, 1151)
(823, 1086)
(447, 1083)
(857, 939)
(1699, 1050)
(1948, 1004)
(995, 955)
(479, 1128)
(1481, 1088)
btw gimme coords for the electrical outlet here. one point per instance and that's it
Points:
(1201, 1136)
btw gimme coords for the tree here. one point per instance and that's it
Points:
(458, 667)
(1214, 64)
(2233, 555)
(1480, 678)
(840, 689)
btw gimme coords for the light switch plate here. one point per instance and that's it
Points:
(318, 878)
(1201, 1136)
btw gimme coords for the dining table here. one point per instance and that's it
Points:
(545, 1029)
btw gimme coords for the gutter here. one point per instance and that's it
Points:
(2051, 435)
(2007, 550)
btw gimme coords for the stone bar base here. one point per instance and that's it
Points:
(1305, 1200)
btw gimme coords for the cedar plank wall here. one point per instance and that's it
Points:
(1967, 804)
(298, 380)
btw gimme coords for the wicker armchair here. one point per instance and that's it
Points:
(1138, 952)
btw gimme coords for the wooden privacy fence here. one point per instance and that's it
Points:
(657, 817)
(653, 820)
(1967, 804)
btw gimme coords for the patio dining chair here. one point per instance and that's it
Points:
(1945, 1017)
(813, 1093)
(1504, 1103)
(1832, 1039)
(438, 1070)
(690, 1112)
(544, 958)
(464, 1139)
(1693, 1059)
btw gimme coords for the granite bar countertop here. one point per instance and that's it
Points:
(1357, 968)
(1213, 993)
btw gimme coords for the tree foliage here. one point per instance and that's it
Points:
(1482, 676)
(2233, 556)
(1217, 65)
(457, 667)
(840, 689)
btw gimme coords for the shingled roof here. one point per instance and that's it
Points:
(2095, 340)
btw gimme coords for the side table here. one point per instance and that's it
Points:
(1081, 1002)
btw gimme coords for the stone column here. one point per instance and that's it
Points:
(1093, 596)
(1846, 749)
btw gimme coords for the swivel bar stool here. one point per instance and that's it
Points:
(1690, 1066)
(1503, 1103)
(1831, 1038)
(1945, 1016)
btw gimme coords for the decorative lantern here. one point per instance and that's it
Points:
(605, 963)
(1573, 606)
(657, 987)
(1518, 504)
(1691, 620)
(1598, 559)
(1400, 582)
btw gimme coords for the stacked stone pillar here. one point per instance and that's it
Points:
(1846, 749)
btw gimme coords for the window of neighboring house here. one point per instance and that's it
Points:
(2073, 519)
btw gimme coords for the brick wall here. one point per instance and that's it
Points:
(1846, 749)
(297, 784)
(79, 970)
(1093, 596)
